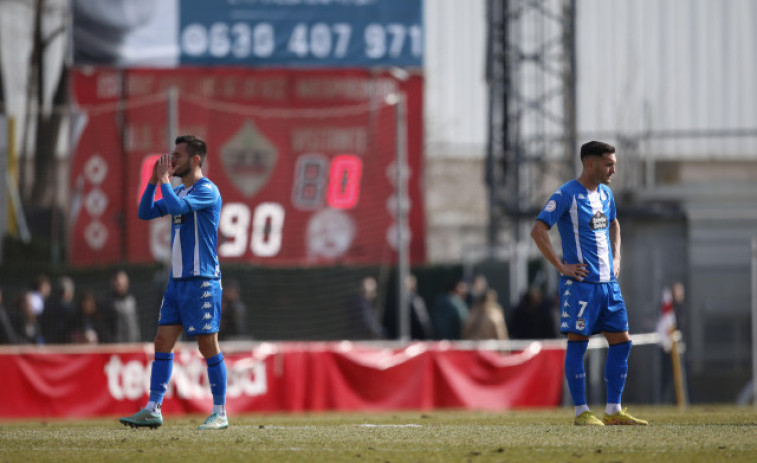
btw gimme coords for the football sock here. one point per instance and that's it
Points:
(574, 371)
(612, 409)
(219, 410)
(217, 378)
(616, 370)
(582, 408)
(159, 377)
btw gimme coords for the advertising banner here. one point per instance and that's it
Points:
(100, 381)
(305, 162)
(255, 33)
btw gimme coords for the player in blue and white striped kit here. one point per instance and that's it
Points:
(590, 298)
(192, 301)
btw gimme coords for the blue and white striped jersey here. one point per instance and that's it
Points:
(196, 212)
(583, 219)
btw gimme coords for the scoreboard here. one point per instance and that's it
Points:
(304, 160)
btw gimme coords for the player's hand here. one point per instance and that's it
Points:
(163, 168)
(616, 267)
(576, 271)
(154, 176)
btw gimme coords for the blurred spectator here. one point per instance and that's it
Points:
(120, 309)
(56, 319)
(233, 312)
(672, 314)
(89, 325)
(363, 320)
(7, 333)
(486, 319)
(39, 293)
(24, 320)
(450, 312)
(478, 288)
(420, 320)
(533, 318)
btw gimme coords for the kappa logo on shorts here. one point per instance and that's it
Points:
(191, 329)
(206, 295)
(207, 316)
(565, 314)
(566, 304)
(564, 325)
(568, 282)
(566, 293)
(207, 327)
(207, 305)
(205, 284)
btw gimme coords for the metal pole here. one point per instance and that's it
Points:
(403, 241)
(173, 117)
(754, 321)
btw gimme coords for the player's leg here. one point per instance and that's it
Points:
(614, 325)
(576, 323)
(160, 375)
(207, 342)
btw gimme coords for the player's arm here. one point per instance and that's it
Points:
(540, 235)
(205, 195)
(615, 245)
(148, 208)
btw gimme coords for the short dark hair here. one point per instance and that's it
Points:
(596, 148)
(195, 146)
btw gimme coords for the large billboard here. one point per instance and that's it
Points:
(305, 162)
(289, 33)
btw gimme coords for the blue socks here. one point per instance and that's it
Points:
(217, 378)
(575, 373)
(162, 368)
(616, 370)
(160, 375)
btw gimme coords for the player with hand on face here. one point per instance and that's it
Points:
(192, 300)
(590, 297)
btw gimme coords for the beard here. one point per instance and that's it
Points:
(180, 171)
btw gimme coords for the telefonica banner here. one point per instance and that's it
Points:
(282, 33)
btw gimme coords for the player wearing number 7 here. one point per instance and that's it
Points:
(192, 300)
(590, 298)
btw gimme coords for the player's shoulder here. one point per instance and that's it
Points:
(569, 188)
(206, 185)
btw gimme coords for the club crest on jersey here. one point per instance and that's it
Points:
(598, 221)
(550, 206)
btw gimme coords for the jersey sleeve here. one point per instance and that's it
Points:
(148, 207)
(204, 195)
(556, 206)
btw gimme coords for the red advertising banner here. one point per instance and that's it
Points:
(99, 381)
(304, 159)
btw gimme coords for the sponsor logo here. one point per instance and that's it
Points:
(191, 329)
(598, 221)
(206, 295)
(131, 379)
(207, 316)
(207, 305)
(205, 284)
(580, 325)
(178, 219)
(565, 314)
(550, 206)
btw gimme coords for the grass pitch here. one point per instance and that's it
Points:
(699, 434)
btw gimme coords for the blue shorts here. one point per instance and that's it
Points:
(591, 308)
(194, 303)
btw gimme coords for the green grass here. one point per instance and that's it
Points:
(700, 434)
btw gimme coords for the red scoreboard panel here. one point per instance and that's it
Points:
(304, 159)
